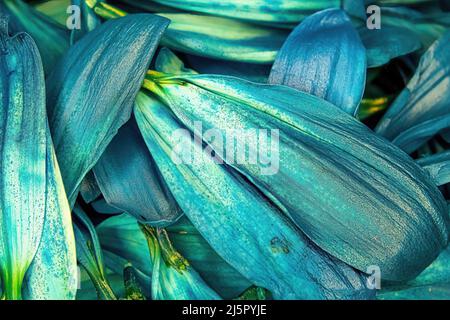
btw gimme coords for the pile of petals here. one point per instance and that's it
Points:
(118, 175)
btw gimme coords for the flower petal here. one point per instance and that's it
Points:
(129, 179)
(91, 91)
(357, 196)
(324, 56)
(233, 217)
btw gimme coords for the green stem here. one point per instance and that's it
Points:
(105, 11)
(12, 285)
(169, 254)
(104, 290)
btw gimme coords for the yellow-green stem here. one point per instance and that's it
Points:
(12, 285)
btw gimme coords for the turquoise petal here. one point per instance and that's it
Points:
(123, 239)
(438, 166)
(91, 91)
(51, 38)
(426, 97)
(173, 278)
(89, 253)
(223, 278)
(234, 218)
(222, 38)
(324, 56)
(432, 284)
(357, 196)
(53, 273)
(23, 151)
(168, 62)
(283, 11)
(387, 43)
(130, 181)
(33, 202)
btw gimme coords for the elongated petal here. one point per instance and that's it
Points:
(56, 10)
(23, 149)
(357, 196)
(121, 236)
(432, 284)
(426, 28)
(233, 217)
(168, 62)
(37, 235)
(101, 206)
(53, 274)
(413, 138)
(173, 278)
(324, 56)
(222, 38)
(438, 166)
(223, 278)
(426, 96)
(129, 179)
(387, 43)
(89, 253)
(216, 37)
(51, 38)
(91, 91)
(260, 10)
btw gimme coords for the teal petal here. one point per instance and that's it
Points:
(53, 273)
(387, 43)
(23, 151)
(168, 62)
(87, 290)
(51, 38)
(89, 253)
(354, 194)
(173, 278)
(91, 91)
(101, 206)
(223, 278)
(432, 284)
(438, 166)
(413, 138)
(222, 38)
(154, 258)
(33, 201)
(324, 56)
(130, 181)
(427, 28)
(424, 102)
(233, 217)
(124, 241)
(283, 11)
